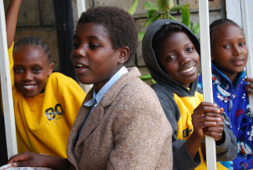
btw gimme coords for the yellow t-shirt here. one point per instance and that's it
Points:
(44, 122)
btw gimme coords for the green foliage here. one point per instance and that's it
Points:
(133, 7)
(162, 10)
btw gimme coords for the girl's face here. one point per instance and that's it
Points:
(94, 59)
(229, 50)
(179, 58)
(31, 69)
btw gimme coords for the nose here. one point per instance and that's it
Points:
(185, 59)
(237, 50)
(80, 51)
(27, 76)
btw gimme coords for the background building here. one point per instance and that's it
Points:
(55, 20)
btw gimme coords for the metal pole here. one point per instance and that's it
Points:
(206, 76)
(9, 119)
(80, 7)
(245, 26)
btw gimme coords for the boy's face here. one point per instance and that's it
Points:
(229, 50)
(31, 69)
(94, 59)
(179, 58)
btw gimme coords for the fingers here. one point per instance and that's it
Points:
(250, 80)
(207, 120)
(216, 135)
(206, 107)
(22, 160)
(215, 131)
(18, 157)
(249, 87)
(21, 164)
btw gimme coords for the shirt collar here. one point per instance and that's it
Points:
(98, 96)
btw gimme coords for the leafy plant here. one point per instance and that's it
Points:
(162, 9)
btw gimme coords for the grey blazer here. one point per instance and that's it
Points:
(127, 130)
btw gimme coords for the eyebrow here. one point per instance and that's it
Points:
(89, 37)
(242, 38)
(190, 43)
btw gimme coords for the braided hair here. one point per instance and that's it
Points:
(36, 42)
(218, 23)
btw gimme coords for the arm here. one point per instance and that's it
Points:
(226, 146)
(181, 156)
(29, 159)
(227, 151)
(206, 120)
(11, 20)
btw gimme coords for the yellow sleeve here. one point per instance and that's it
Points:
(11, 62)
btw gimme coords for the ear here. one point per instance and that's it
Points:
(123, 54)
(50, 69)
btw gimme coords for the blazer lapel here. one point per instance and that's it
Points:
(73, 137)
(92, 122)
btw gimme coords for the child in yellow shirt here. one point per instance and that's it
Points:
(45, 104)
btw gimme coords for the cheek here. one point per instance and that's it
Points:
(246, 52)
(170, 70)
(72, 55)
(17, 78)
(41, 78)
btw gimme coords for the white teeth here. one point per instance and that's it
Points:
(79, 65)
(188, 70)
(28, 86)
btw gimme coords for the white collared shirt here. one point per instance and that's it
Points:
(98, 96)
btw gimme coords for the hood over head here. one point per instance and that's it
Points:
(151, 61)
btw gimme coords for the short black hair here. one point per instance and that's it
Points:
(37, 42)
(217, 23)
(119, 24)
(166, 31)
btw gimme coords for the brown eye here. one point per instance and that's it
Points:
(189, 49)
(37, 69)
(241, 44)
(226, 46)
(94, 46)
(75, 45)
(170, 57)
(18, 70)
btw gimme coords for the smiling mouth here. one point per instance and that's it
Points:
(187, 70)
(28, 87)
(80, 66)
(238, 62)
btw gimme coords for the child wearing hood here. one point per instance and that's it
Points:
(171, 53)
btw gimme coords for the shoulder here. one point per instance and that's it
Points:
(138, 90)
(162, 91)
(62, 82)
(60, 78)
(165, 95)
(137, 95)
